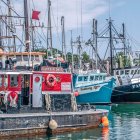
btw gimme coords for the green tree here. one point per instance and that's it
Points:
(85, 57)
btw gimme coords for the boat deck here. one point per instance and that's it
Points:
(53, 114)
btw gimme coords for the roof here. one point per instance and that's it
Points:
(15, 72)
(21, 53)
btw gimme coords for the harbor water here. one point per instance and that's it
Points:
(124, 122)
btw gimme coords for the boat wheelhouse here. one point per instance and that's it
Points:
(20, 59)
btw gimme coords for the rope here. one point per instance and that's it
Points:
(48, 102)
(73, 103)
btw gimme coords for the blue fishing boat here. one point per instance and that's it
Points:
(93, 87)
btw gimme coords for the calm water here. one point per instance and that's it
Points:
(124, 125)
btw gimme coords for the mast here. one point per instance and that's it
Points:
(0, 34)
(26, 25)
(63, 37)
(79, 51)
(111, 46)
(49, 31)
(72, 52)
(95, 41)
(9, 22)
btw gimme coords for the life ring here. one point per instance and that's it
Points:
(51, 80)
(13, 98)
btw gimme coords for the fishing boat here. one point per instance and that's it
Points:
(93, 87)
(127, 85)
(120, 64)
(42, 101)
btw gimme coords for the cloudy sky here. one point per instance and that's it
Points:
(81, 12)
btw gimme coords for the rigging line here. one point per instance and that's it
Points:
(56, 27)
(11, 8)
(33, 4)
(14, 32)
(104, 27)
(106, 51)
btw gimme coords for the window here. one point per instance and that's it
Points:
(117, 72)
(132, 71)
(79, 79)
(13, 80)
(122, 72)
(25, 58)
(100, 77)
(91, 78)
(32, 57)
(103, 77)
(85, 78)
(36, 57)
(18, 57)
(1, 81)
(96, 78)
(126, 72)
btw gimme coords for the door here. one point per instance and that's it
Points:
(37, 90)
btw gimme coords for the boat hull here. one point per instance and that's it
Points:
(100, 96)
(126, 93)
(29, 124)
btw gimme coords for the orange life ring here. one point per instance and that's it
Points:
(51, 80)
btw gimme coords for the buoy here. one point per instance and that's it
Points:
(105, 121)
(76, 93)
(52, 124)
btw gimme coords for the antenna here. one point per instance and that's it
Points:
(81, 20)
(109, 3)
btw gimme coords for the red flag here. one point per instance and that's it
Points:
(35, 15)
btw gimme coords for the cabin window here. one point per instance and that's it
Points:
(85, 78)
(91, 78)
(19, 58)
(25, 58)
(100, 77)
(135, 71)
(0, 80)
(36, 57)
(13, 80)
(132, 71)
(122, 72)
(79, 79)
(126, 72)
(103, 77)
(96, 78)
(117, 72)
(32, 57)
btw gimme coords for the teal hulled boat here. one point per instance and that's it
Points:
(93, 87)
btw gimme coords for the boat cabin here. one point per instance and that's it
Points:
(89, 78)
(35, 89)
(20, 60)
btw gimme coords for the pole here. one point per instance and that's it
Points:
(26, 26)
(63, 37)
(49, 31)
(72, 52)
(111, 45)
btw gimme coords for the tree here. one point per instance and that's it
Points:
(85, 58)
